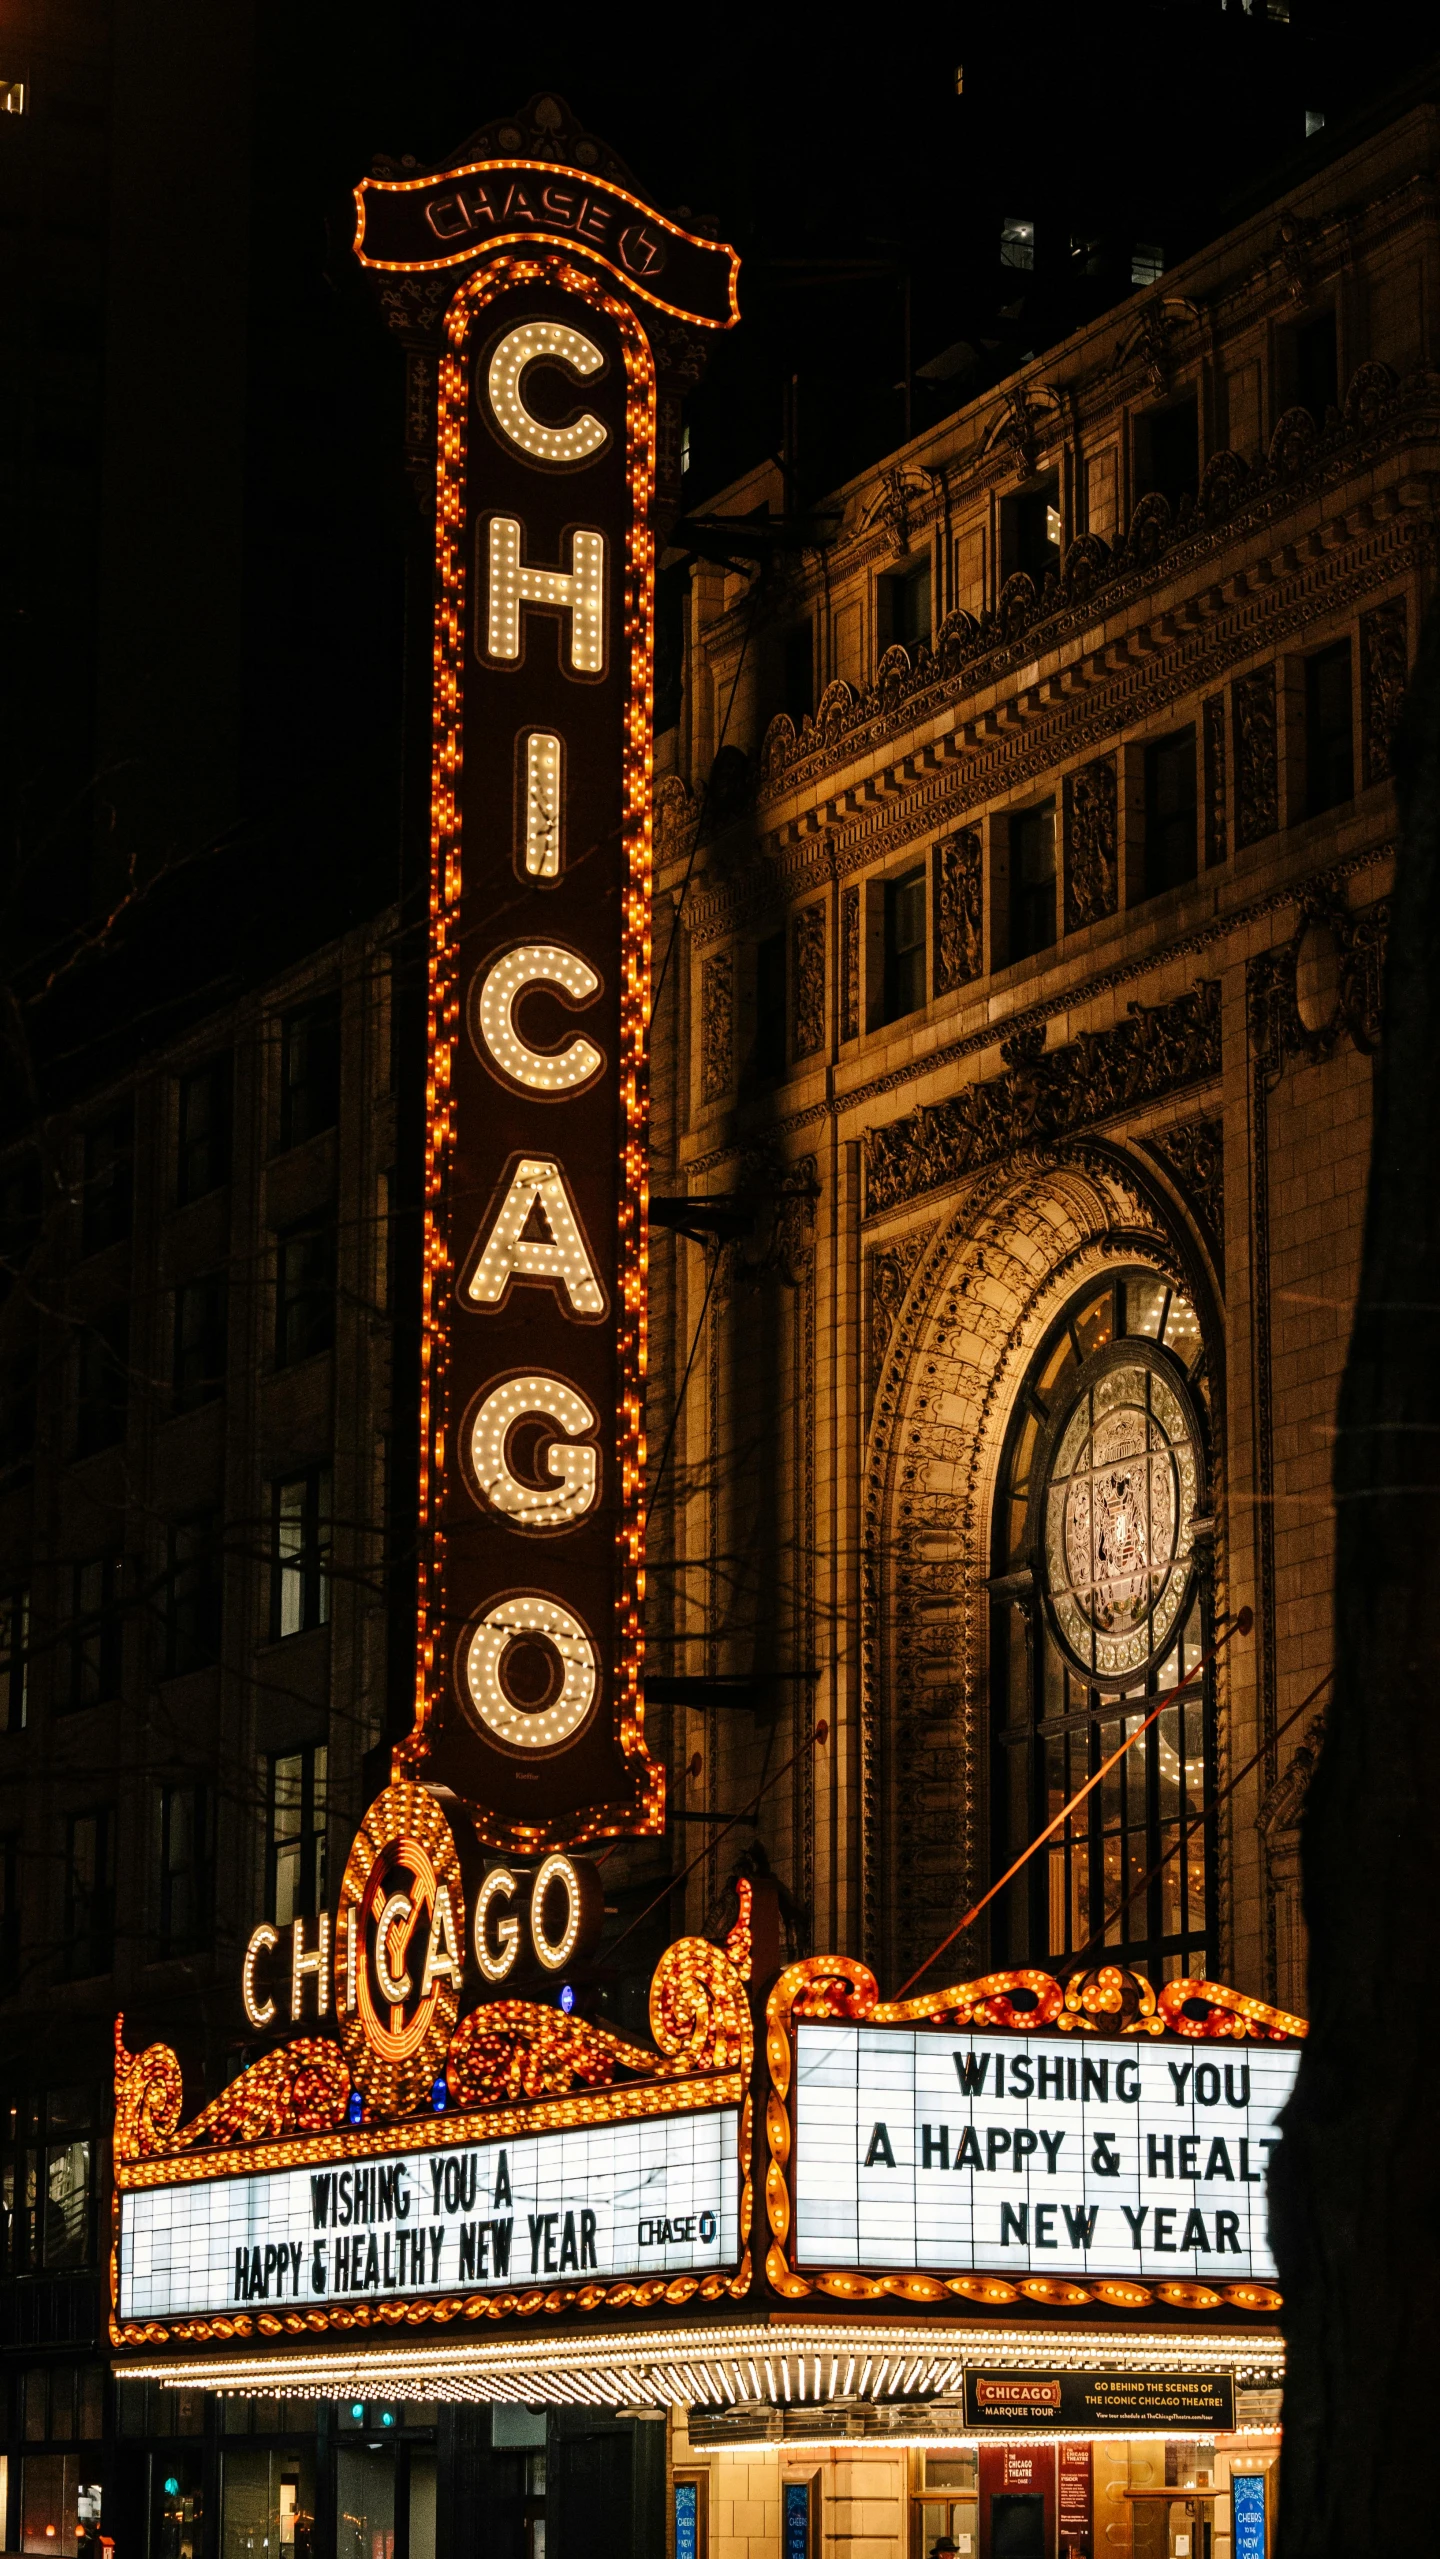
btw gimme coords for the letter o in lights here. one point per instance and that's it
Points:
(574, 1472)
(530, 1614)
(553, 1071)
(582, 1893)
(536, 342)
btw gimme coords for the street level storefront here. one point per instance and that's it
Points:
(946, 2243)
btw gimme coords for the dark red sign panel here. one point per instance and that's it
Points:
(529, 1698)
(441, 221)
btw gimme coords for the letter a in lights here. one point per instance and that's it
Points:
(549, 395)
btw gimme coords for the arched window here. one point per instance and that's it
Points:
(1100, 1600)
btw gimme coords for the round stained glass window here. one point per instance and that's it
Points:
(1119, 1518)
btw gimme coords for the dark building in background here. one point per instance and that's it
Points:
(216, 604)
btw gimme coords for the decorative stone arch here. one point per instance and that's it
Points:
(991, 1277)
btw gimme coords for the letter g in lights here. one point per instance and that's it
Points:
(574, 1472)
(501, 1044)
(495, 1942)
(537, 342)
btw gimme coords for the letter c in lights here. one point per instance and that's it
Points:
(498, 991)
(574, 1472)
(536, 342)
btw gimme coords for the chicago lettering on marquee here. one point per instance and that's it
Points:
(529, 1704)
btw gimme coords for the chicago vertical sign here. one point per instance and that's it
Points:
(529, 1698)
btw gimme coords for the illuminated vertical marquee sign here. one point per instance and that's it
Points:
(553, 286)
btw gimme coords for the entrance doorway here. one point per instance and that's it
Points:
(1017, 2527)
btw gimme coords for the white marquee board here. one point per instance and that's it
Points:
(656, 2197)
(1035, 2154)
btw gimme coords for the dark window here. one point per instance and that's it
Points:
(183, 1844)
(10, 1931)
(193, 1595)
(1032, 881)
(95, 1631)
(309, 1071)
(1168, 451)
(67, 2165)
(771, 1025)
(300, 1582)
(297, 1833)
(202, 1160)
(798, 671)
(1169, 812)
(1081, 1647)
(102, 1351)
(905, 944)
(905, 606)
(105, 1213)
(1017, 240)
(305, 1293)
(19, 1218)
(89, 1901)
(1329, 740)
(200, 1332)
(14, 1660)
(17, 1414)
(1030, 532)
(1317, 382)
(1147, 262)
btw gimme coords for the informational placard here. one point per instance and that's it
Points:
(1108, 2402)
(1076, 2500)
(1247, 2513)
(1034, 2154)
(658, 2197)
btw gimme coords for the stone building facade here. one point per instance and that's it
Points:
(1022, 862)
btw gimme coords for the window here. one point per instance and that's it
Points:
(14, 1660)
(1032, 881)
(68, 2185)
(19, 1217)
(105, 1209)
(1098, 1606)
(301, 1575)
(1169, 812)
(102, 1386)
(1315, 366)
(905, 944)
(202, 1160)
(1147, 262)
(95, 1626)
(183, 1846)
(1167, 450)
(1030, 532)
(771, 1009)
(297, 1834)
(1329, 742)
(305, 1292)
(309, 1071)
(904, 600)
(797, 663)
(89, 1897)
(193, 1595)
(10, 1929)
(1017, 241)
(201, 1308)
(17, 1415)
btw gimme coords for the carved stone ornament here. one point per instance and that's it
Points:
(1282, 1806)
(809, 960)
(977, 648)
(1193, 1153)
(1384, 666)
(1092, 837)
(1322, 987)
(1257, 788)
(891, 1272)
(959, 910)
(676, 815)
(785, 1195)
(850, 964)
(1213, 750)
(717, 1026)
(1045, 1095)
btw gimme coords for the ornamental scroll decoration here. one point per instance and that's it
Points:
(513, 2069)
(1193, 1153)
(850, 964)
(809, 964)
(1384, 665)
(959, 910)
(717, 1026)
(1257, 772)
(1092, 838)
(1109, 1999)
(1322, 987)
(1045, 1094)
